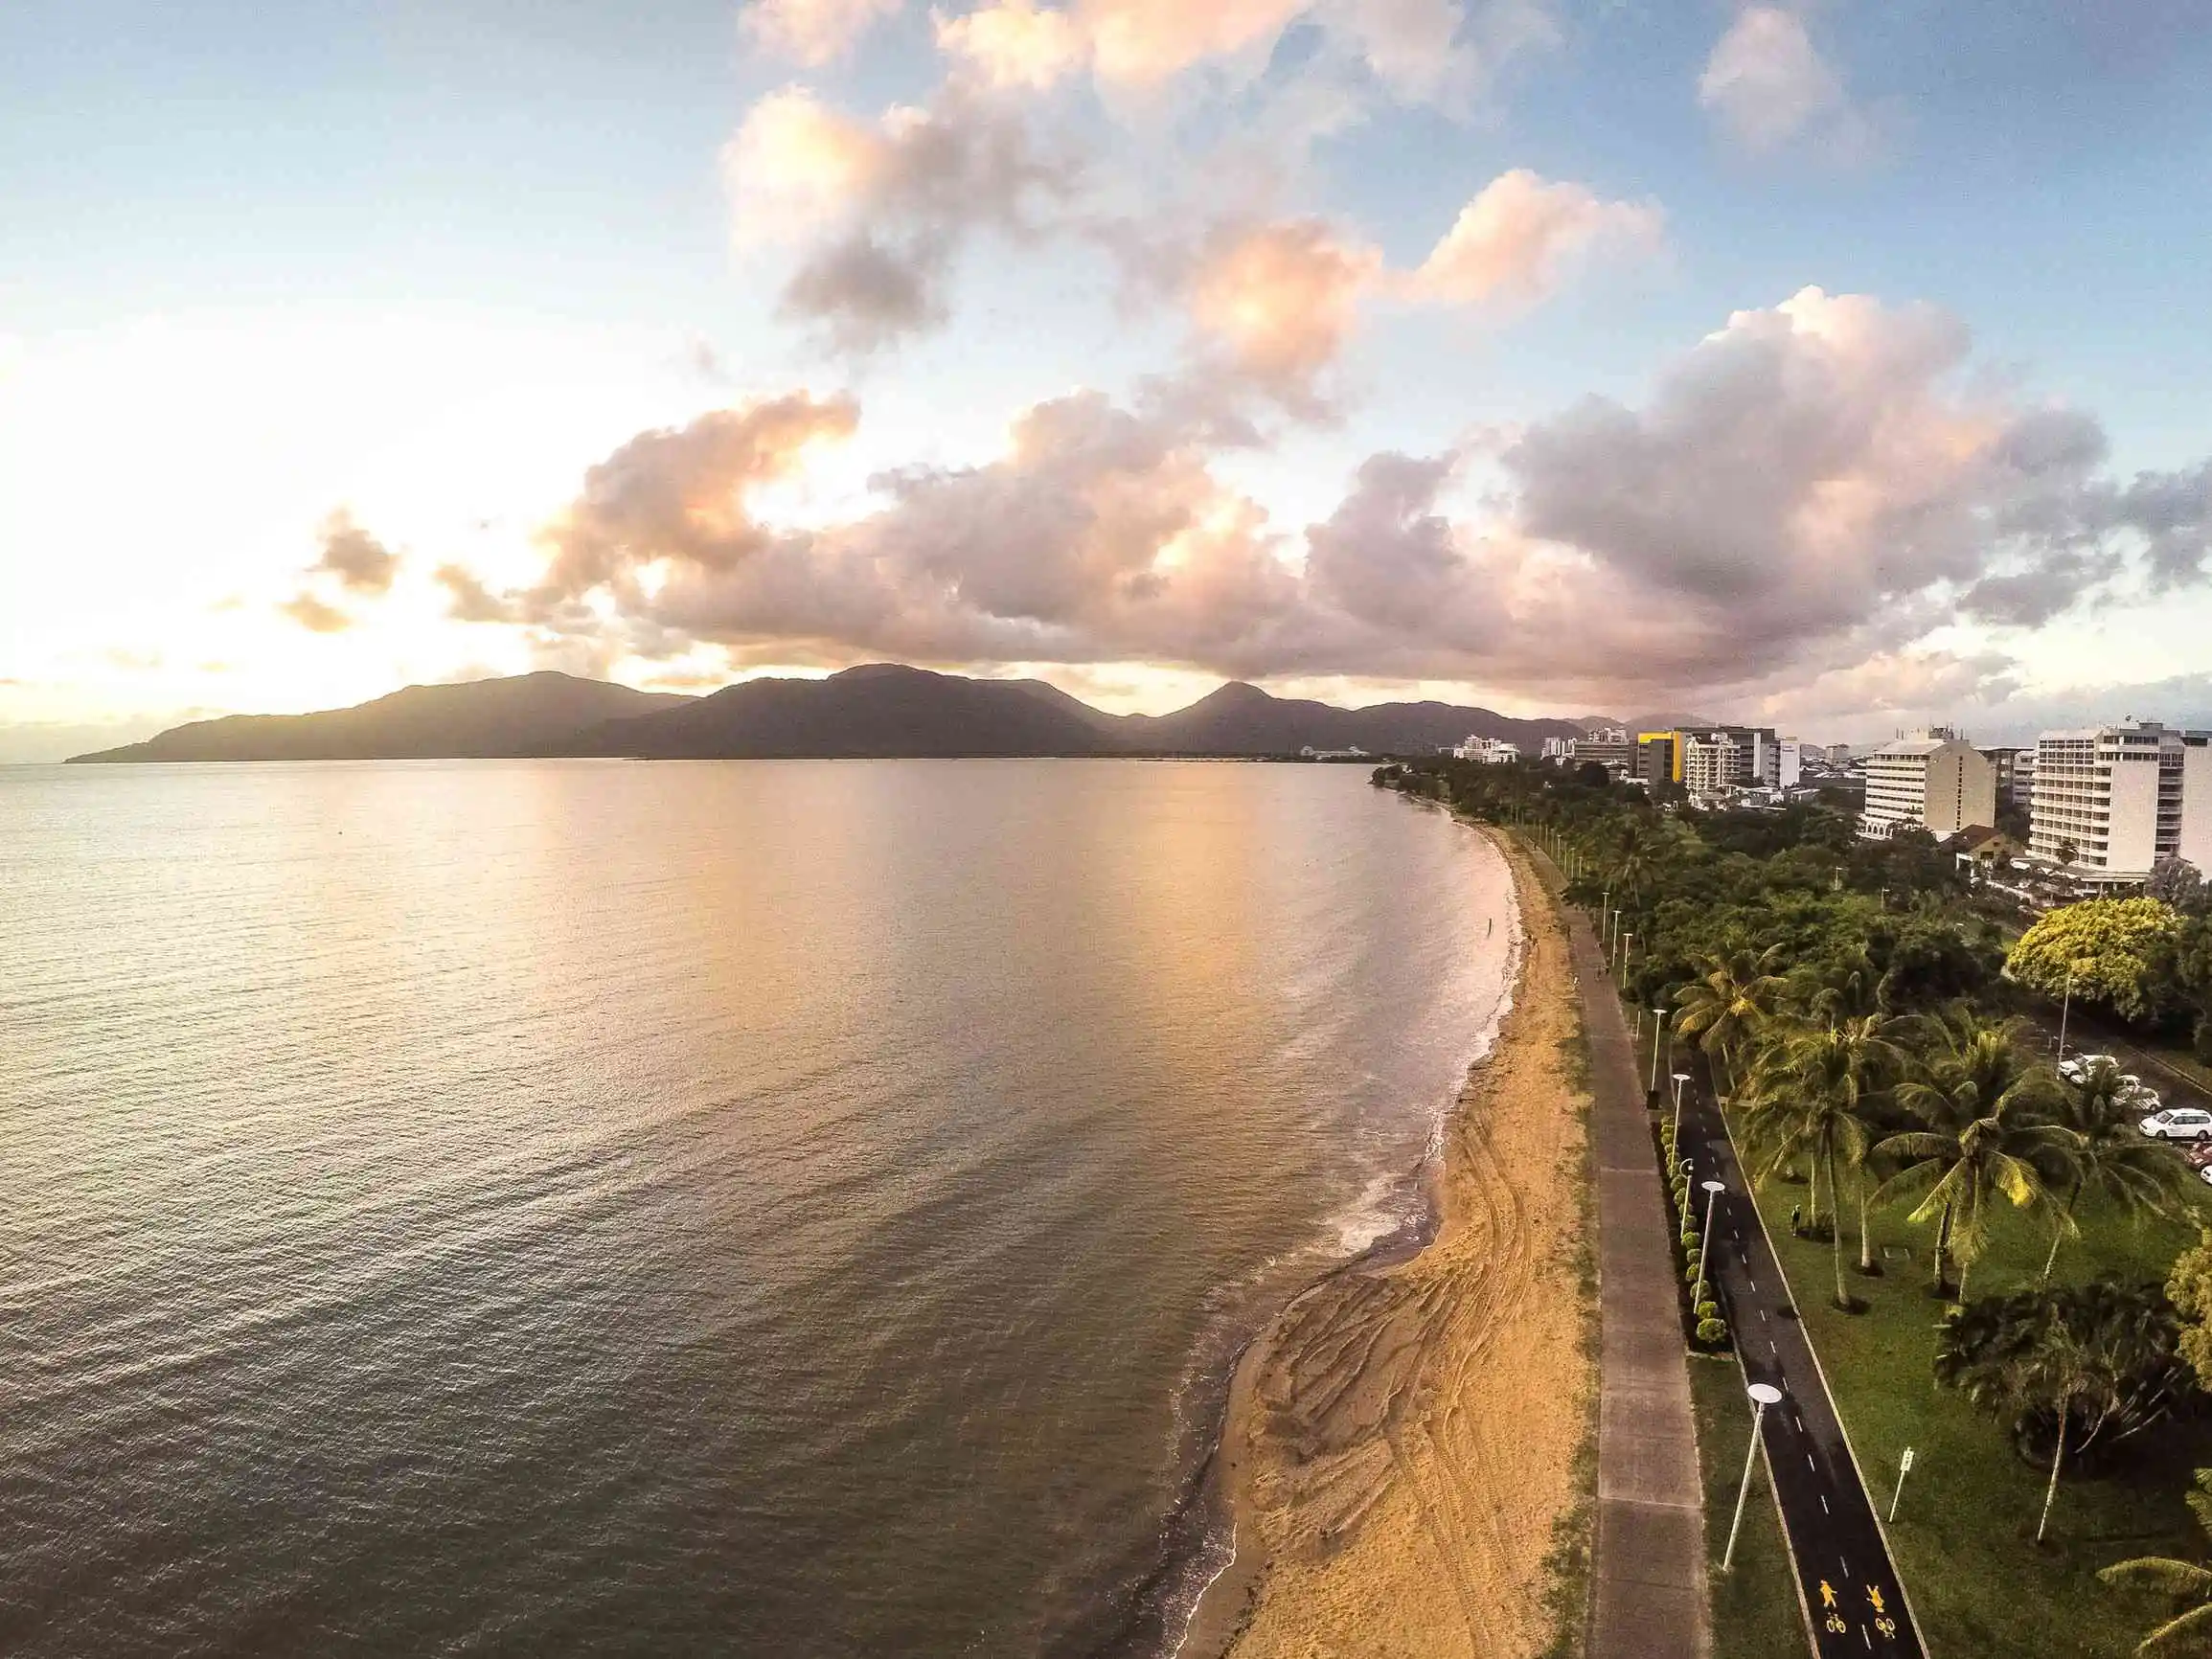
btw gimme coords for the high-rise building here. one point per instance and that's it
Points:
(1712, 758)
(2112, 801)
(2005, 759)
(1789, 764)
(1609, 746)
(1933, 780)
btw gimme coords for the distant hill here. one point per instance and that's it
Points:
(878, 710)
(475, 719)
(1242, 719)
(1650, 723)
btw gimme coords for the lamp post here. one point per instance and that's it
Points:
(2064, 1008)
(1658, 1029)
(1680, 1077)
(1763, 1395)
(1628, 949)
(1713, 1191)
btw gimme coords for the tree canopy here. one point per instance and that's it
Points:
(2118, 952)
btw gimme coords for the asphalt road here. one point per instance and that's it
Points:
(1850, 1587)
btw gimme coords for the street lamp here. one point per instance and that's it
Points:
(1713, 1191)
(1680, 1077)
(2064, 1007)
(1763, 1395)
(1628, 949)
(1658, 1029)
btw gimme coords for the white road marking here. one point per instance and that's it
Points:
(1824, 1509)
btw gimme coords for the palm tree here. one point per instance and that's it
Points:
(1811, 1095)
(2095, 1362)
(1725, 1006)
(1980, 1137)
(2107, 1158)
(2190, 1629)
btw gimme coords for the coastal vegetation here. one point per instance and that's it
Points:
(1995, 1240)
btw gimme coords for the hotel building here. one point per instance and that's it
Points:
(1931, 780)
(2117, 799)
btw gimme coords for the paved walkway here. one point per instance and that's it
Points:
(1648, 1578)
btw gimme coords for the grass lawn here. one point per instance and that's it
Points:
(1755, 1612)
(1964, 1539)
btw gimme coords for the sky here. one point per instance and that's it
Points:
(1840, 365)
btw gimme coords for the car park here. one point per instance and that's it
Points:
(2178, 1123)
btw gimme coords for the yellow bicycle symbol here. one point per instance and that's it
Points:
(1836, 1624)
(1886, 1625)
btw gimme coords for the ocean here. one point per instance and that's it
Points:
(763, 1208)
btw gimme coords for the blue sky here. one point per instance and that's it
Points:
(1139, 360)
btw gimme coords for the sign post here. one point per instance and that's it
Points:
(1903, 1468)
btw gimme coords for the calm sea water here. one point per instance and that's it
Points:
(759, 1208)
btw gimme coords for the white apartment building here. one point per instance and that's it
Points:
(1789, 764)
(1933, 780)
(2114, 800)
(1491, 751)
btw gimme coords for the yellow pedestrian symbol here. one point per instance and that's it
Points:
(1835, 1620)
(1883, 1622)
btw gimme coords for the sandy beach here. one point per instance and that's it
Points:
(1402, 1446)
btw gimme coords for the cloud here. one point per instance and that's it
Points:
(1014, 44)
(1802, 500)
(1439, 52)
(1522, 236)
(880, 212)
(682, 494)
(812, 32)
(1769, 87)
(353, 561)
(360, 562)
(313, 615)
(1273, 304)
(468, 600)
(1279, 301)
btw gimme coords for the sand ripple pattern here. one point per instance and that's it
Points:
(1410, 1431)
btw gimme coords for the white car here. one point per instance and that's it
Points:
(2078, 1068)
(2142, 1098)
(2178, 1123)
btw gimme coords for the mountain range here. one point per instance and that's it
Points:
(879, 710)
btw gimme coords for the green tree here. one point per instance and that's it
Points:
(2112, 948)
(1981, 1143)
(2083, 1364)
(2108, 1157)
(2189, 1285)
(1813, 1094)
(1726, 1006)
(2186, 1583)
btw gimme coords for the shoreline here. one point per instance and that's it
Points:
(1398, 1445)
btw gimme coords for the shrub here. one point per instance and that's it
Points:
(1691, 1275)
(1712, 1332)
(1708, 1310)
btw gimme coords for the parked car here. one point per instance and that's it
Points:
(2178, 1123)
(2198, 1157)
(2075, 1070)
(2140, 1099)
(2204, 1174)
